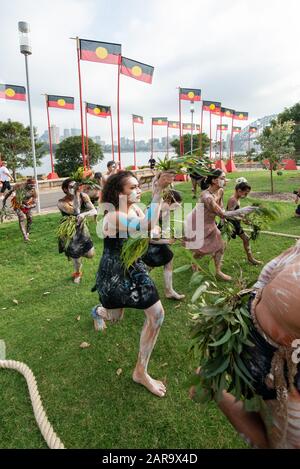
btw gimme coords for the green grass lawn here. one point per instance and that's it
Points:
(89, 405)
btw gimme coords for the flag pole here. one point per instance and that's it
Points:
(180, 132)
(118, 112)
(50, 176)
(168, 139)
(201, 126)
(112, 137)
(231, 140)
(134, 149)
(221, 137)
(87, 138)
(210, 135)
(80, 100)
(151, 138)
(216, 147)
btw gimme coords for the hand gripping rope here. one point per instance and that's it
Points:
(41, 418)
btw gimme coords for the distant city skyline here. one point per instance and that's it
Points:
(239, 52)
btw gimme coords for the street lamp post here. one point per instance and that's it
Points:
(192, 121)
(25, 49)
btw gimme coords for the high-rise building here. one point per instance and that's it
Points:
(75, 132)
(55, 134)
(66, 133)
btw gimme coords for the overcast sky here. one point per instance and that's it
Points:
(244, 53)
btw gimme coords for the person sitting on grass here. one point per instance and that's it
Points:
(241, 191)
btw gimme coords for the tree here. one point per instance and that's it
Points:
(15, 146)
(276, 143)
(68, 155)
(292, 114)
(187, 144)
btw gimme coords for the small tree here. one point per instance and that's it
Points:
(68, 155)
(292, 114)
(276, 143)
(15, 146)
(196, 144)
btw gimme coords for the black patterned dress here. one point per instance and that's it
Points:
(81, 242)
(120, 288)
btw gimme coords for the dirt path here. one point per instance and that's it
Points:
(277, 197)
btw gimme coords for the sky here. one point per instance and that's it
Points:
(243, 53)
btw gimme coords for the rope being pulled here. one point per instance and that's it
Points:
(41, 418)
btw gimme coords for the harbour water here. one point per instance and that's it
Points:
(126, 160)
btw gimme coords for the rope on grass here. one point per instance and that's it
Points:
(284, 235)
(41, 418)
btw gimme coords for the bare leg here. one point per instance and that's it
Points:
(150, 331)
(168, 278)
(77, 270)
(249, 425)
(21, 218)
(247, 248)
(194, 188)
(218, 257)
(101, 314)
(29, 223)
(90, 253)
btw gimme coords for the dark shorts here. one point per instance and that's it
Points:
(238, 230)
(5, 185)
(157, 255)
(298, 210)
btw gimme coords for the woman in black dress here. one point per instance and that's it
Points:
(78, 204)
(119, 288)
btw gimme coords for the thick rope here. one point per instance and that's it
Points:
(41, 418)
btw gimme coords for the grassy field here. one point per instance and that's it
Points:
(89, 405)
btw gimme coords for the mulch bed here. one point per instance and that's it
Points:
(277, 197)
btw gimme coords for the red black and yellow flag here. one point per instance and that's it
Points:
(137, 119)
(63, 102)
(222, 127)
(13, 92)
(236, 129)
(159, 121)
(137, 70)
(241, 116)
(252, 130)
(174, 124)
(212, 106)
(98, 110)
(95, 51)
(190, 94)
(227, 112)
(186, 126)
(198, 127)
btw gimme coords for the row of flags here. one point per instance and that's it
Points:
(110, 53)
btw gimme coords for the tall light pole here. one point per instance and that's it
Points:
(25, 49)
(192, 121)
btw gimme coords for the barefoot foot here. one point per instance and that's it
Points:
(254, 261)
(223, 276)
(172, 294)
(99, 323)
(156, 387)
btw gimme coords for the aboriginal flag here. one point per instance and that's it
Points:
(222, 127)
(63, 102)
(198, 127)
(241, 116)
(137, 119)
(98, 110)
(159, 121)
(236, 129)
(174, 124)
(227, 112)
(252, 130)
(137, 70)
(190, 94)
(105, 52)
(13, 92)
(188, 126)
(212, 106)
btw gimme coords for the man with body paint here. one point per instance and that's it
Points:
(112, 168)
(133, 288)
